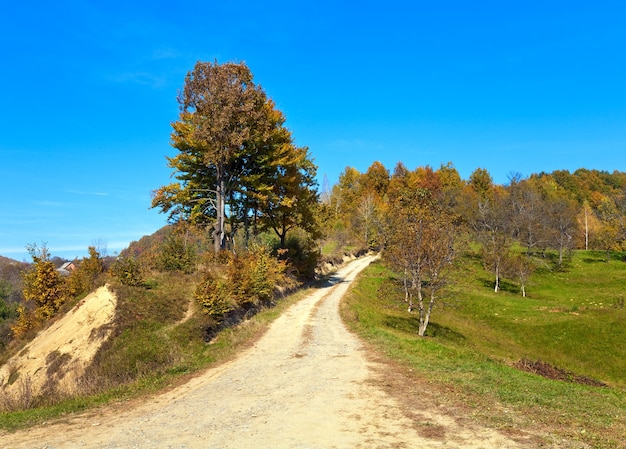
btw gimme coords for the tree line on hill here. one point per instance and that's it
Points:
(419, 218)
(560, 210)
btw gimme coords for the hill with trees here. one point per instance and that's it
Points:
(247, 225)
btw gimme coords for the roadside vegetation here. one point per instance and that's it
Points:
(156, 344)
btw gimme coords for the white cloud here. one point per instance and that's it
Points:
(12, 250)
(165, 53)
(78, 192)
(140, 77)
(56, 204)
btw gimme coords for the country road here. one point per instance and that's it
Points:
(307, 383)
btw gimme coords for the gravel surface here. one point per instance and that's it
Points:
(307, 383)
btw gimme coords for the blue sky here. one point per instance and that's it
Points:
(89, 92)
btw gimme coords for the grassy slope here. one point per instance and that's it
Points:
(572, 319)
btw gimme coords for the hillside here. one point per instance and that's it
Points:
(10, 271)
(568, 332)
(56, 359)
(7, 261)
(461, 366)
(307, 383)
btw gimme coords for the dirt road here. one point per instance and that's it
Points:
(306, 384)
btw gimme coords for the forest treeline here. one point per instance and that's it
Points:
(561, 210)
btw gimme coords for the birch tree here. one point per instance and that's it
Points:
(366, 209)
(521, 267)
(421, 246)
(440, 254)
(563, 226)
(528, 210)
(493, 230)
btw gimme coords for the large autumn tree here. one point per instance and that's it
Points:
(233, 147)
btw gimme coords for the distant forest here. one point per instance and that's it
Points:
(561, 210)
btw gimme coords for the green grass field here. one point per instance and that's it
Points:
(572, 319)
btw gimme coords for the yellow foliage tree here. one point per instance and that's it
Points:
(43, 284)
(84, 278)
(25, 322)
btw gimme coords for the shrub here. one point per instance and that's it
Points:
(176, 254)
(255, 276)
(243, 284)
(129, 271)
(7, 311)
(214, 296)
(24, 323)
(84, 279)
(302, 255)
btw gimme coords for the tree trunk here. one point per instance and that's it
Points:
(219, 231)
(496, 288)
(406, 287)
(415, 285)
(586, 229)
(423, 316)
(426, 320)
